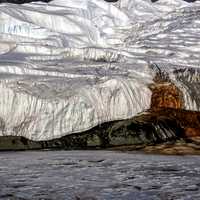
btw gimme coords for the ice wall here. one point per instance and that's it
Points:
(67, 66)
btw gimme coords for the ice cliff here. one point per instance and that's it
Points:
(67, 66)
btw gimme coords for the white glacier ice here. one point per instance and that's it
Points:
(67, 66)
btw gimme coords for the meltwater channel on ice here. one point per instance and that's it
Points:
(67, 66)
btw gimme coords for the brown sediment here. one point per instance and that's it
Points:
(192, 131)
(177, 148)
(167, 100)
(165, 95)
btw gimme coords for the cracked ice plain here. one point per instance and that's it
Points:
(68, 66)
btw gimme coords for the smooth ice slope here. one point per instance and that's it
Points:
(69, 65)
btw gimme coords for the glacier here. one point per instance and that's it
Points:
(67, 66)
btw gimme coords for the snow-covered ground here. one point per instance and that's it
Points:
(67, 66)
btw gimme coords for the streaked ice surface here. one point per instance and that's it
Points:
(67, 66)
(98, 175)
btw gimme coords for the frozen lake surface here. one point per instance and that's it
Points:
(98, 175)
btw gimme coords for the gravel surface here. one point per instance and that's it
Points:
(91, 175)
